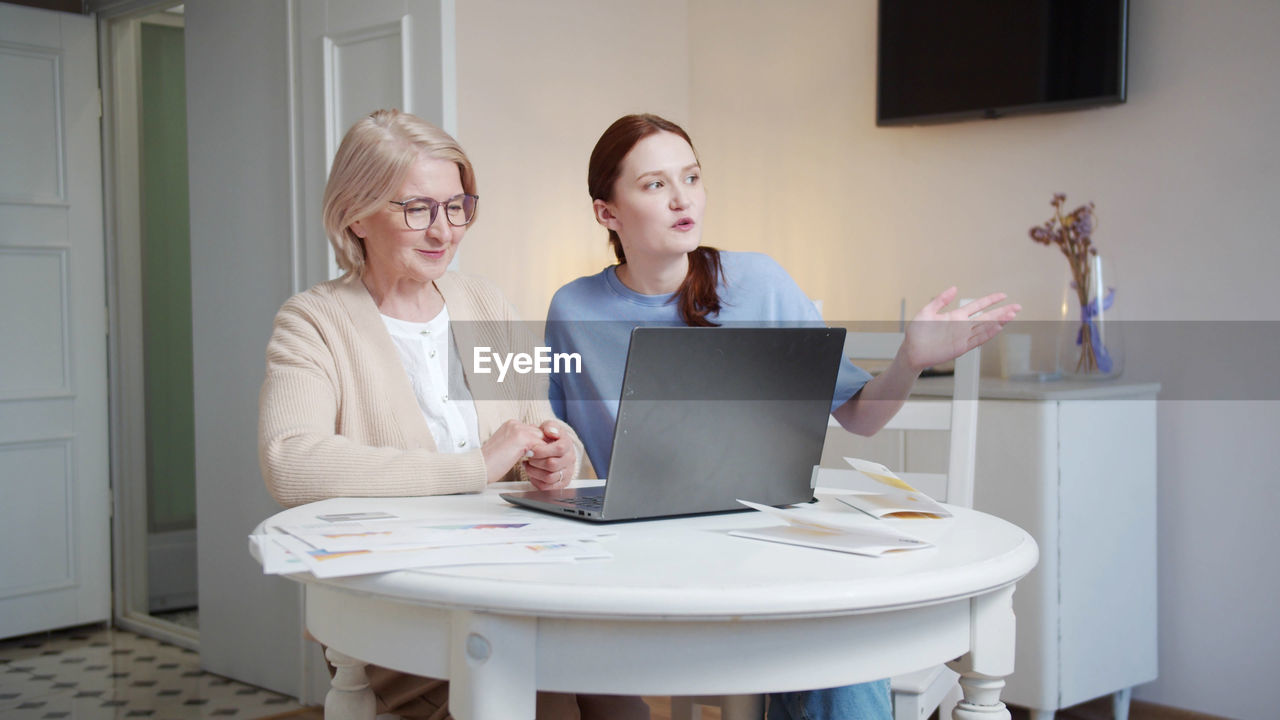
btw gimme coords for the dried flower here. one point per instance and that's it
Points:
(1072, 233)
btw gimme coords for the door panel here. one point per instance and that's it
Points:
(53, 398)
(350, 61)
(34, 357)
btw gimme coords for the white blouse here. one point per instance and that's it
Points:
(424, 352)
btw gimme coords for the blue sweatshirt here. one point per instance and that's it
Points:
(594, 315)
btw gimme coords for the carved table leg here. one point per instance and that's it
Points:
(981, 698)
(990, 658)
(349, 696)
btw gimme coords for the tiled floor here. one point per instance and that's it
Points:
(97, 673)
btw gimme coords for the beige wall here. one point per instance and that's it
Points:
(538, 82)
(1184, 175)
(780, 101)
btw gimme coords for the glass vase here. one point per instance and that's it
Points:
(1089, 345)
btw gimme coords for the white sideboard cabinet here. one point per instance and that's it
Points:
(1074, 464)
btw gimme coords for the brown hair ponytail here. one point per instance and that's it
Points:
(698, 296)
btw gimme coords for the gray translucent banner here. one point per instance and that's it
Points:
(1190, 360)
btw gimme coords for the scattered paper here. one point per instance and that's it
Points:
(866, 543)
(878, 472)
(829, 531)
(899, 501)
(324, 564)
(434, 532)
(352, 516)
(364, 543)
(276, 560)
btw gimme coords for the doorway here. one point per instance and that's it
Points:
(153, 438)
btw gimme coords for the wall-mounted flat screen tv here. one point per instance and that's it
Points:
(943, 60)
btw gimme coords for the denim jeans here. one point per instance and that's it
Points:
(868, 701)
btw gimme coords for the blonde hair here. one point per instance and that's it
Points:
(370, 166)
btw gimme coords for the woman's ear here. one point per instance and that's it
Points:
(604, 215)
(358, 229)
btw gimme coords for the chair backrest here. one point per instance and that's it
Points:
(959, 416)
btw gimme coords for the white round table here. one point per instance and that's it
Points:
(683, 608)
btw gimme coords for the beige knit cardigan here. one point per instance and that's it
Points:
(337, 416)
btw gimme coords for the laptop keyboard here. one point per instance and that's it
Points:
(589, 502)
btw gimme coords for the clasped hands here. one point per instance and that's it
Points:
(546, 450)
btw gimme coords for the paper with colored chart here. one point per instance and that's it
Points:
(381, 542)
(437, 531)
(324, 564)
(826, 530)
(897, 500)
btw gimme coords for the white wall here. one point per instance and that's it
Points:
(780, 102)
(239, 158)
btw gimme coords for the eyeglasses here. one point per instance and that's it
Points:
(420, 213)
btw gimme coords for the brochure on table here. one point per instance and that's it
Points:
(829, 530)
(892, 497)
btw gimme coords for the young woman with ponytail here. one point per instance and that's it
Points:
(646, 189)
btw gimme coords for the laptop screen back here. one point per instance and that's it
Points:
(710, 415)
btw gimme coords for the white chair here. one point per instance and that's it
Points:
(959, 417)
(915, 695)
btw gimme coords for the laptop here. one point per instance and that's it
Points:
(708, 416)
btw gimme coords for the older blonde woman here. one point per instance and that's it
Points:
(358, 400)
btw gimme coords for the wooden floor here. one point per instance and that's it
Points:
(660, 709)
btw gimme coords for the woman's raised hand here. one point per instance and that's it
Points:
(935, 336)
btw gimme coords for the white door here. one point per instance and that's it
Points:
(54, 492)
(354, 59)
